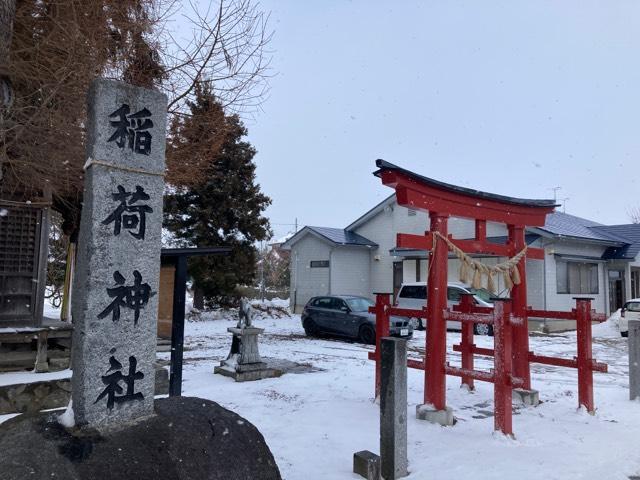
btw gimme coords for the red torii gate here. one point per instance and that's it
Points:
(442, 200)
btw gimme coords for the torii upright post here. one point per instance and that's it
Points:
(435, 408)
(520, 351)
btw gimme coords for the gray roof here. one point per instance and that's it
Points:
(342, 236)
(337, 236)
(631, 235)
(563, 224)
(624, 240)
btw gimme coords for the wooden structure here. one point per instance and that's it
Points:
(24, 236)
(165, 298)
(509, 318)
(41, 349)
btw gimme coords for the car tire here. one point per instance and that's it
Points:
(310, 328)
(367, 334)
(625, 334)
(483, 329)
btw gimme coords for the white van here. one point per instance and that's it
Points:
(414, 296)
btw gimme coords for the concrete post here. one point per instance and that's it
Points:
(393, 408)
(634, 359)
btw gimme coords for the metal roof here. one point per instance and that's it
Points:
(631, 235)
(337, 236)
(527, 202)
(563, 224)
(342, 236)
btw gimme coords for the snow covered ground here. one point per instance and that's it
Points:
(315, 421)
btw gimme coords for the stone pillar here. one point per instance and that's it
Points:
(393, 408)
(634, 359)
(115, 304)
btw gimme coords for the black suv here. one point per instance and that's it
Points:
(348, 316)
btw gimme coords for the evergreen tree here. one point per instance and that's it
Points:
(225, 207)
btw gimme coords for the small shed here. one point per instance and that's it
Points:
(24, 234)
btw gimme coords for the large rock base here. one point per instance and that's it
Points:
(188, 438)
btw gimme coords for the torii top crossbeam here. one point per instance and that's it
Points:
(423, 193)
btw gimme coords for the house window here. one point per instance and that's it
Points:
(319, 264)
(576, 277)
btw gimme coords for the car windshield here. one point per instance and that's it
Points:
(359, 304)
(482, 294)
(633, 306)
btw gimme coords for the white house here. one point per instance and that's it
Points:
(582, 258)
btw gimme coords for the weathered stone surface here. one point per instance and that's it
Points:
(33, 397)
(634, 359)
(247, 340)
(247, 376)
(526, 397)
(393, 408)
(188, 439)
(442, 417)
(366, 464)
(244, 363)
(113, 254)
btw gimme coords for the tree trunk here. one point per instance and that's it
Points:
(7, 16)
(198, 298)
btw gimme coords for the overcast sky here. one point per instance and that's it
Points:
(511, 97)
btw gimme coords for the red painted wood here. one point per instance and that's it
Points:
(585, 354)
(466, 305)
(436, 338)
(417, 364)
(519, 298)
(488, 352)
(425, 242)
(476, 309)
(551, 314)
(468, 317)
(481, 230)
(502, 367)
(416, 242)
(407, 312)
(419, 196)
(467, 373)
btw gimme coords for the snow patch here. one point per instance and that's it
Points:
(67, 419)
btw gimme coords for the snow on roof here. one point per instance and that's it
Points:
(281, 240)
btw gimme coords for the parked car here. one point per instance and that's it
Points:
(630, 310)
(348, 316)
(414, 296)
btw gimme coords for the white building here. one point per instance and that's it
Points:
(582, 258)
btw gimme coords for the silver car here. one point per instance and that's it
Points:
(630, 310)
(348, 316)
(414, 296)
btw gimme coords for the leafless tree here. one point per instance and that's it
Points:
(634, 214)
(59, 46)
